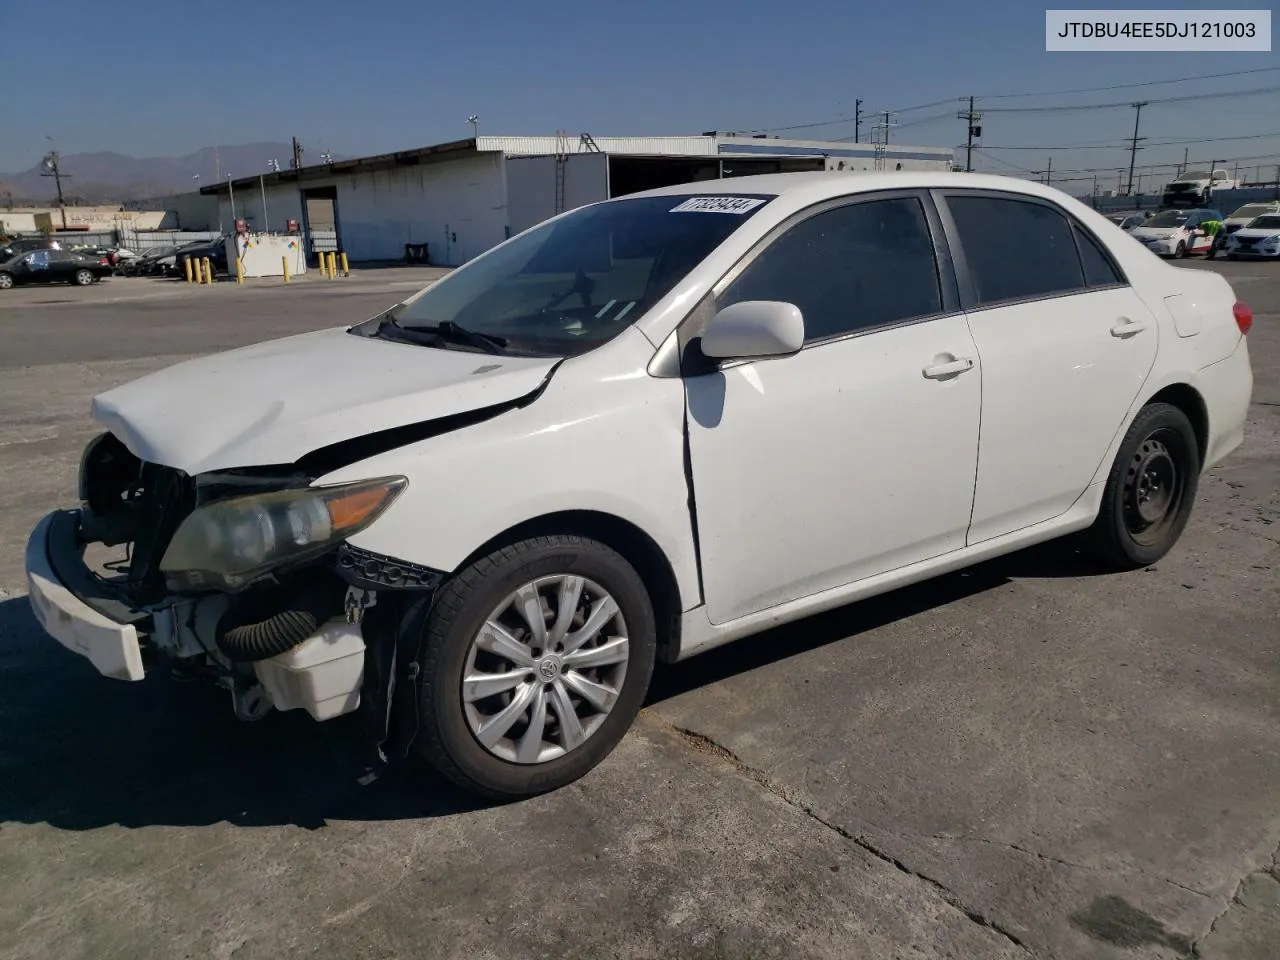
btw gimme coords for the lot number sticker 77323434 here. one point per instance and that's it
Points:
(737, 205)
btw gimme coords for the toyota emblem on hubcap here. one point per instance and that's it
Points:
(549, 668)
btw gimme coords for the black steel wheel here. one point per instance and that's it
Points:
(1150, 490)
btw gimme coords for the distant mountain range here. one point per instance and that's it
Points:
(116, 178)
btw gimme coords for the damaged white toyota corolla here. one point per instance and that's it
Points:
(639, 430)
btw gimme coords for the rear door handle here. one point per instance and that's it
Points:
(1127, 328)
(955, 367)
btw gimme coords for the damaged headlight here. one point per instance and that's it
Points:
(229, 543)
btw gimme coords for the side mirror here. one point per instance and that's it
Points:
(754, 328)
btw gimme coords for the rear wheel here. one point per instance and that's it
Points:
(6, 281)
(83, 278)
(535, 662)
(1149, 493)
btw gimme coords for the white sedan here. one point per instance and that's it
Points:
(1261, 238)
(640, 430)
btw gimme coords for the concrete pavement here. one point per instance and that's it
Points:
(1027, 758)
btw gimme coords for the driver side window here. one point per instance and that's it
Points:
(852, 268)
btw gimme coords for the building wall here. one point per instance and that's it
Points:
(23, 219)
(458, 207)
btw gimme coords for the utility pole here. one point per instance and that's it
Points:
(972, 118)
(297, 154)
(857, 119)
(1208, 193)
(1133, 146)
(1048, 174)
(1095, 188)
(1235, 174)
(1186, 151)
(886, 128)
(50, 164)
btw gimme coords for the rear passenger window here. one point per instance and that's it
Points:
(1015, 249)
(1098, 269)
(854, 267)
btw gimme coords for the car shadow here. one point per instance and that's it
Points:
(1057, 559)
(79, 752)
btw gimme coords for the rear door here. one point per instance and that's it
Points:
(1065, 346)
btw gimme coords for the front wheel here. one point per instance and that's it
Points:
(535, 662)
(1148, 496)
(1181, 252)
(83, 278)
(6, 281)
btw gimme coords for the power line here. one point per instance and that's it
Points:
(1121, 103)
(1129, 86)
(1006, 96)
(1116, 145)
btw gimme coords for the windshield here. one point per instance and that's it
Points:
(1251, 210)
(571, 284)
(1170, 218)
(1269, 222)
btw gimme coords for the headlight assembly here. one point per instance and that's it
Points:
(230, 543)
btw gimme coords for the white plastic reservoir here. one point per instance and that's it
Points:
(321, 675)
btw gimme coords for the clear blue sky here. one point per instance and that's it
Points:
(157, 78)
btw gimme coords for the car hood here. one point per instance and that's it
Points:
(1256, 233)
(1156, 233)
(276, 401)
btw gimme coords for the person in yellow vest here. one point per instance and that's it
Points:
(1217, 236)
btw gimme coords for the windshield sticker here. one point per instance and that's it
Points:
(738, 205)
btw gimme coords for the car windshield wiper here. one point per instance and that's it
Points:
(448, 330)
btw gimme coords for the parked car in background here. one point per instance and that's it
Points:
(1250, 211)
(25, 245)
(151, 262)
(1195, 188)
(1261, 238)
(1128, 221)
(1176, 233)
(215, 250)
(823, 388)
(53, 266)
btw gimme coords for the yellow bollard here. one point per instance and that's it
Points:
(186, 266)
(333, 266)
(198, 269)
(346, 268)
(284, 263)
(239, 270)
(208, 270)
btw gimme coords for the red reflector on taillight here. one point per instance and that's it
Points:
(1244, 317)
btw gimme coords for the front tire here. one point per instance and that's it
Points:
(1181, 252)
(535, 662)
(1149, 492)
(83, 278)
(6, 281)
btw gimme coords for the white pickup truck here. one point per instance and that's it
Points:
(1194, 187)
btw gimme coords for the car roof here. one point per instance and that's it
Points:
(820, 184)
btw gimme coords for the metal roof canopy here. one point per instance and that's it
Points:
(438, 153)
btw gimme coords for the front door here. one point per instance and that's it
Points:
(856, 455)
(1066, 345)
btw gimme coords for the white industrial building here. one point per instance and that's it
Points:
(462, 198)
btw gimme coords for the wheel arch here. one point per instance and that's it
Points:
(1187, 399)
(636, 546)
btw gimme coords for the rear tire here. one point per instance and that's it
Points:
(534, 750)
(6, 281)
(83, 278)
(1149, 492)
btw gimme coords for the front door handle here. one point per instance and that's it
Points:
(939, 371)
(1127, 328)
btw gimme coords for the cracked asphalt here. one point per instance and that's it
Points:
(1029, 758)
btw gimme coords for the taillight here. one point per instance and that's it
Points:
(1244, 317)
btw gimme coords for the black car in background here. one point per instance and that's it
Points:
(11, 248)
(53, 266)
